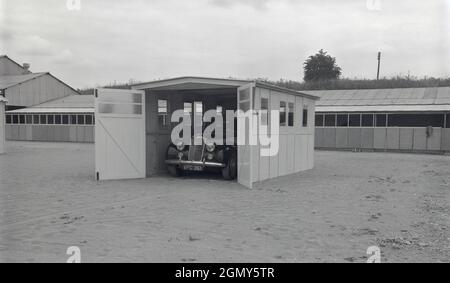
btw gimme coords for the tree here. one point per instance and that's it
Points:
(321, 66)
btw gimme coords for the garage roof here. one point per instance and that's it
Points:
(68, 104)
(9, 81)
(191, 83)
(412, 99)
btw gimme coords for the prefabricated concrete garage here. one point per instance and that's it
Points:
(133, 127)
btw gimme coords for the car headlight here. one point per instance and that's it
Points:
(210, 147)
(180, 146)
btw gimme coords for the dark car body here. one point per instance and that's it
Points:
(199, 158)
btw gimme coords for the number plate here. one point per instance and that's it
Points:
(192, 168)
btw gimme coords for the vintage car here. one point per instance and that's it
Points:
(205, 157)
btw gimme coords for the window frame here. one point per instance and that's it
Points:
(283, 114)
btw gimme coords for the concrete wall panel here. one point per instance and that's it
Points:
(406, 138)
(379, 138)
(329, 137)
(341, 138)
(420, 139)
(8, 132)
(367, 138)
(354, 138)
(319, 139)
(393, 138)
(445, 139)
(434, 141)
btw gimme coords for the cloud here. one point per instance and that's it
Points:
(256, 4)
(64, 57)
(34, 45)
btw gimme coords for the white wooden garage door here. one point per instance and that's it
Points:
(120, 134)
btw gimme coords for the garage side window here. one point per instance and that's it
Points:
(65, 119)
(291, 115)
(448, 121)
(305, 116)
(8, 119)
(36, 119)
(367, 120)
(163, 111)
(15, 119)
(73, 119)
(330, 120)
(89, 120)
(380, 120)
(264, 111)
(319, 120)
(29, 119)
(43, 119)
(50, 120)
(282, 113)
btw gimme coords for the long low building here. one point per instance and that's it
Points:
(408, 119)
(68, 119)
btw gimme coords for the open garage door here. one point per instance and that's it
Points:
(120, 134)
(245, 103)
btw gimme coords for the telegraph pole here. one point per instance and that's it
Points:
(379, 63)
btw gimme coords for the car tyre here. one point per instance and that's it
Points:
(174, 171)
(230, 171)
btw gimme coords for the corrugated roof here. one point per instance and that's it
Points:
(9, 81)
(384, 108)
(51, 110)
(71, 101)
(379, 97)
(68, 104)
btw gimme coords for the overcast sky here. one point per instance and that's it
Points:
(146, 40)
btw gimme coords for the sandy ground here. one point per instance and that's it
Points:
(49, 201)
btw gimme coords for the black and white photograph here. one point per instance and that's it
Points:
(224, 138)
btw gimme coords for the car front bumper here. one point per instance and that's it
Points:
(195, 163)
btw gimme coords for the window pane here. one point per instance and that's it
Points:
(73, 119)
(162, 106)
(282, 113)
(380, 120)
(50, 119)
(198, 107)
(291, 115)
(29, 119)
(15, 119)
(342, 120)
(8, 119)
(89, 120)
(80, 119)
(448, 120)
(58, 119)
(305, 116)
(330, 120)
(187, 108)
(354, 120)
(319, 120)
(35, 119)
(416, 120)
(22, 119)
(367, 120)
(65, 120)
(264, 111)
(43, 119)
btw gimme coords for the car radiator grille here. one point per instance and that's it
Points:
(196, 152)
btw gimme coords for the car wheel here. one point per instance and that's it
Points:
(230, 171)
(174, 171)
